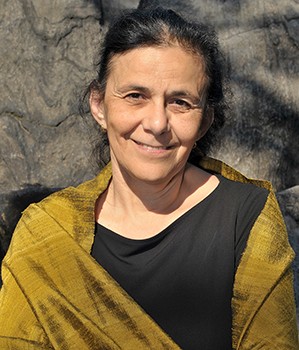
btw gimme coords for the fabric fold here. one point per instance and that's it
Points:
(68, 301)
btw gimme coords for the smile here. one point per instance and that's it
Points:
(149, 147)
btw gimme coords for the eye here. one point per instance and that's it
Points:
(182, 103)
(179, 105)
(135, 96)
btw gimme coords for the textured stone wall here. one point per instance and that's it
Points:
(48, 51)
(48, 55)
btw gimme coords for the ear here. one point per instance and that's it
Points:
(96, 105)
(206, 122)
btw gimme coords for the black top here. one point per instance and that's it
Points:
(183, 276)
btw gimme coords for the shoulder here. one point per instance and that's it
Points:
(70, 210)
(38, 221)
(235, 184)
(242, 193)
(70, 199)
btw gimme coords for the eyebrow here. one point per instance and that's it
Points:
(184, 93)
(134, 87)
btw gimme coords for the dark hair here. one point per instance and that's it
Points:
(164, 27)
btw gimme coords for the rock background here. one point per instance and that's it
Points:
(48, 51)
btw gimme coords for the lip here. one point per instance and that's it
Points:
(152, 148)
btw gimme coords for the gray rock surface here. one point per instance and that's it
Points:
(48, 51)
(48, 55)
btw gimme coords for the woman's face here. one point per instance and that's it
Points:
(147, 112)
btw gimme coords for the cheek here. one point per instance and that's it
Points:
(119, 126)
(114, 118)
(188, 131)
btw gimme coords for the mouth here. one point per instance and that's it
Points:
(151, 147)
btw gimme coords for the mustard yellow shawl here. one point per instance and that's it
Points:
(56, 296)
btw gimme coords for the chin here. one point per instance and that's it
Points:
(153, 174)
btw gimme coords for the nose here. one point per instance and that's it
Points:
(156, 119)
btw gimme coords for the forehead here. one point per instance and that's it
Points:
(154, 65)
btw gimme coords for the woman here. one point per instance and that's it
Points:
(187, 253)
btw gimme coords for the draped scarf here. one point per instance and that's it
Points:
(56, 296)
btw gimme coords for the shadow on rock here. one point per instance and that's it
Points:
(11, 207)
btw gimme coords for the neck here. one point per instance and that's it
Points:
(139, 209)
(137, 196)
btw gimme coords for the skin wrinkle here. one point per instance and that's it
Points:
(240, 305)
(197, 101)
(148, 181)
(57, 268)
